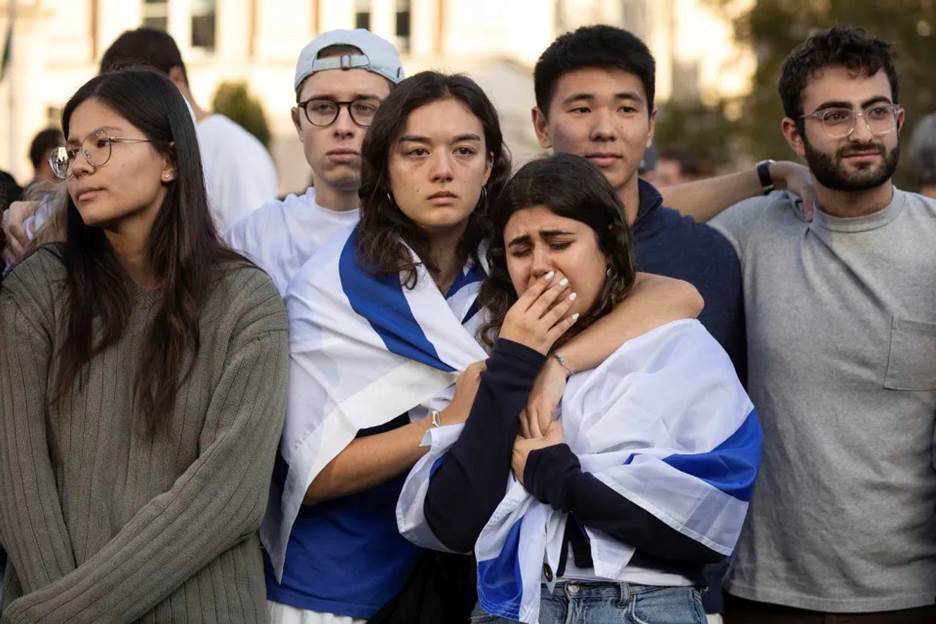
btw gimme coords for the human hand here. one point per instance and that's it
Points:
(796, 178)
(538, 318)
(524, 446)
(13, 229)
(544, 399)
(466, 388)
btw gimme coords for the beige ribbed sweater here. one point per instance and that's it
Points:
(101, 523)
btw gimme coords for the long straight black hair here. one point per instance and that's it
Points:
(185, 252)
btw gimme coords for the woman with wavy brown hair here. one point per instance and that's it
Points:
(142, 383)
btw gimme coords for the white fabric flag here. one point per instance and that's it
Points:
(664, 422)
(363, 350)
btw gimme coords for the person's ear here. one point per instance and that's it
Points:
(790, 131)
(294, 115)
(177, 76)
(652, 129)
(488, 168)
(541, 127)
(169, 169)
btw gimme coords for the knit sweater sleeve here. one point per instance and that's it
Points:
(215, 504)
(32, 525)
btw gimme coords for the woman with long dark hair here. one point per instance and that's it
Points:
(382, 321)
(614, 507)
(143, 373)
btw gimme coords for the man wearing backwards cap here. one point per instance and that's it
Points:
(345, 557)
(342, 76)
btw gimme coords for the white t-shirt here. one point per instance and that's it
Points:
(239, 172)
(281, 235)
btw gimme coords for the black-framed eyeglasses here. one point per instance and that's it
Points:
(323, 112)
(96, 147)
(839, 123)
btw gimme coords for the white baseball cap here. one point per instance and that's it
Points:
(377, 55)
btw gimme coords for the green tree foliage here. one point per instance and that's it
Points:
(701, 130)
(233, 100)
(774, 27)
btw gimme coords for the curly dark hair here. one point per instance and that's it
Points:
(571, 187)
(384, 229)
(840, 46)
(593, 46)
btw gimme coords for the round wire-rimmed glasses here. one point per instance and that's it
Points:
(839, 123)
(96, 147)
(323, 112)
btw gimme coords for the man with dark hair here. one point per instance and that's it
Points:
(39, 150)
(594, 98)
(341, 79)
(239, 172)
(841, 337)
(335, 105)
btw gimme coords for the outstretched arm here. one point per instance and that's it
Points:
(704, 199)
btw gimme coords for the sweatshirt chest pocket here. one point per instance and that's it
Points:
(911, 362)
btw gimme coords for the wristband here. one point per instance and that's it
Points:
(562, 363)
(763, 174)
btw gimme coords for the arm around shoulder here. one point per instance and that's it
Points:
(654, 301)
(703, 200)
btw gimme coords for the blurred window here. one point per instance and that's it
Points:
(156, 14)
(203, 24)
(362, 14)
(402, 26)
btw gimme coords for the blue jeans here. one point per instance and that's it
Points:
(573, 602)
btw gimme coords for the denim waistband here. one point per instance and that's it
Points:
(607, 590)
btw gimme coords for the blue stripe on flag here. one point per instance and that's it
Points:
(474, 274)
(474, 309)
(380, 300)
(732, 465)
(500, 583)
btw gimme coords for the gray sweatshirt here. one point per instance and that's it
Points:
(102, 523)
(841, 330)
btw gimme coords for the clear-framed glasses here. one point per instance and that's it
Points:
(839, 123)
(96, 148)
(323, 112)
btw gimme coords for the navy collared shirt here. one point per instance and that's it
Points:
(670, 244)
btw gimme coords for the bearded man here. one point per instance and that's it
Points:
(841, 335)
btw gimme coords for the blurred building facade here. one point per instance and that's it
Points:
(57, 45)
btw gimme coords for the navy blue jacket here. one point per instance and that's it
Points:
(670, 244)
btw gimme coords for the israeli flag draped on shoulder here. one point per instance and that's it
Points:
(363, 349)
(664, 422)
